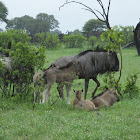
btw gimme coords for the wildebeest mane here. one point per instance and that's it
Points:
(87, 51)
(84, 52)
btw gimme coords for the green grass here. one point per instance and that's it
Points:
(18, 121)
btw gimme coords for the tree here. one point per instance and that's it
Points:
(42, 23)
(56, 31)
(102, 16)
(20, 23)
(93, 25)
(127, 32)
(3, 12)
(137, 37)
(76, 32)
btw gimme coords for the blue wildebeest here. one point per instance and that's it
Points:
(82, 104)
(105, 99)
(63, 76)
(93, 63)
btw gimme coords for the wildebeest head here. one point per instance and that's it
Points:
(113, 92)
(112, 61)
(78, 94)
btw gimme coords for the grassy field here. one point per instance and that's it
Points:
(18, 121)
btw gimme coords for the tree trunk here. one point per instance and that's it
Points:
(137, 37)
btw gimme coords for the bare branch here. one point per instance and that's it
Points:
(67, 2)
(108, 8)
(102, 6)
(104, 15)
(100, 14)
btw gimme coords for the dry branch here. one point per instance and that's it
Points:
(104, 14)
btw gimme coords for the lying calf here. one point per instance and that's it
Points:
(82, 104)
(107, 98)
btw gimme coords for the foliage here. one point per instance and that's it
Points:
(56, 31)
(74, 41)
(92, 40)
(42, 23)
(110, 82)
(13, 35)
(130, 88)
(50, 41)
(115, 40)
(76, 32)
(93, 25)
(3, 12)
(24, 62)
(127, 31)
(40, 38)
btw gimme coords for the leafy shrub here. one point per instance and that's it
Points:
(24, 62)
(13, 35)
(74, 41)
(92, 40)
(111, 82)
(40, 38)
(130, 88)
(50, 41)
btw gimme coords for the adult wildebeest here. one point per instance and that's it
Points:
(105, 99)
(82, 104)
(93, 63)
(63, 76)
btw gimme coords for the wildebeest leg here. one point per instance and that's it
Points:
(68, 88)
(44, 95)
(35, 95)
(39, 96)
(60, 90)
(86, 87)
(49, 96)
(98, 84)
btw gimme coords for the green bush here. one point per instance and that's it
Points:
(13, 35)
(50, 41)
(130, 88)
(92, 40)
(40, 38)
(74, 41)
(24, 63)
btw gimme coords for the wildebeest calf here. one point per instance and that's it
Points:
(107, 98)
(39, 82)
(82, 104)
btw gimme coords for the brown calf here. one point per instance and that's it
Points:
(82, 104)
(107, 98)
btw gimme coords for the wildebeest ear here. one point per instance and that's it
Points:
(73, 90)
(82, 90)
